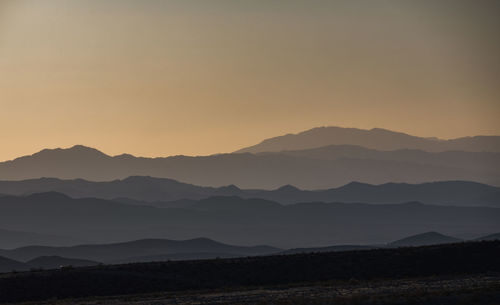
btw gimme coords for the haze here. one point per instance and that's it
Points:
(157, 78)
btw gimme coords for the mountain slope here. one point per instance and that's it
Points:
(8, 265)
(424, 239)
(375, 138)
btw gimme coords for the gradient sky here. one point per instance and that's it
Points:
(158, 78)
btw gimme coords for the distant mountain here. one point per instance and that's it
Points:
(127, 251)
(424, 239)
(54, 262)
(332, 166)
(234, 221)
(8, 265)
(169, 193)
(376, 138)
(495, 236)
(477, 161)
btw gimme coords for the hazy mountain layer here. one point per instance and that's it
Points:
(244, 222)
(139, 250)
(376, 138)
(169, 193)
(323, 168)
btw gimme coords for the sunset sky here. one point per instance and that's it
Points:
(159, 78)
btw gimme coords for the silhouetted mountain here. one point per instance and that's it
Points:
(424, 239)
(495, 236)
(375, 138)
(8, 265)
(258, 171)
(139, 249)
(238, 221)
(169, 193)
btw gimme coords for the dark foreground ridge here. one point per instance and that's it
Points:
(469, 258)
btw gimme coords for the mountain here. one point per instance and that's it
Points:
(424, 239)
(141, 250)
(54, 262)
(495, 236)
(139, 188)
(8, 265)
(236, 221)
(376, 138)
(336, 166)
(169, 193)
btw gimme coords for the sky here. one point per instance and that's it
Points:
(160, 78)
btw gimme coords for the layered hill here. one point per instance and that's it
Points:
(137, 251)
(169, 193)
(311, 169)
(240, 221)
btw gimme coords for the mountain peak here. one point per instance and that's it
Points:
(77, 151)
(375, 138)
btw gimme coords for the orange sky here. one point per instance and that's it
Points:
(158, 78)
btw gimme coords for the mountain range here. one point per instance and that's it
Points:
(340, 156)
(162, 192)
(155, 250)
(240, 221)
(138, 251)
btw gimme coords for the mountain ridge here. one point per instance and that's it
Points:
(375, 138)
(234, 220)
(334, 159)
(162, 192)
